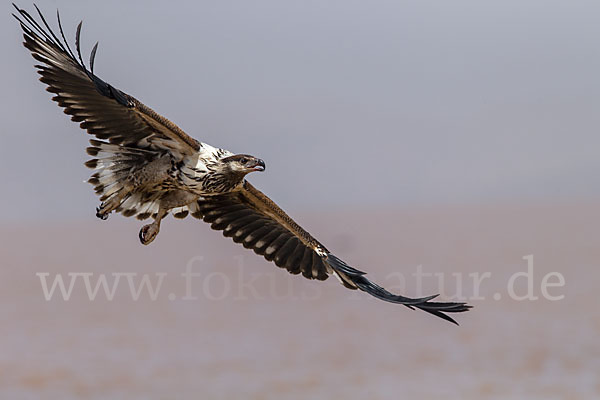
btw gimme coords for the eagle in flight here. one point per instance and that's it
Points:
(147, 167)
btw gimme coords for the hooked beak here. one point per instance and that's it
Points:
(260, 165)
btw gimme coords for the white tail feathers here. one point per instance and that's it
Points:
(112, 181)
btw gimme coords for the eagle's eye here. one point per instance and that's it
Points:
(244, 160)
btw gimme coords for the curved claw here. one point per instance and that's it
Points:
(148, 233)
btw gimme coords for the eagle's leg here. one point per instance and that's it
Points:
(148, 232)
(171, 199)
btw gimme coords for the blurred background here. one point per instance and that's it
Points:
(450, 139)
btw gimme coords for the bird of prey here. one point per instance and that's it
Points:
(147, 167)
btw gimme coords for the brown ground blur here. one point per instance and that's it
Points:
(256, 332)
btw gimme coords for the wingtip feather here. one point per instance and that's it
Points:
(439, 309)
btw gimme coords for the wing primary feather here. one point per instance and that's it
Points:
(93, 57)
(50, 31)
(62, 34)
(78, 44)
(361, 282)
(32, 21)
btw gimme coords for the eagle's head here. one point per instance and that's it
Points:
(243, 164)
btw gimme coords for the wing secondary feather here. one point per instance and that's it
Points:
(253, 220)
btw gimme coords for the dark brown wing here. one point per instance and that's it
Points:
(101, 109)
(252, 219)
(255, 221)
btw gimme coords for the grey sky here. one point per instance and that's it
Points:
(350, 103)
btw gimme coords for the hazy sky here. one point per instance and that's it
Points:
(350, 103)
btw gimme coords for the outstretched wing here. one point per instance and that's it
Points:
(255, 221)
(101, 109)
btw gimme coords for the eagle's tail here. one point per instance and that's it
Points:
(356, 279)
(114, 164)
